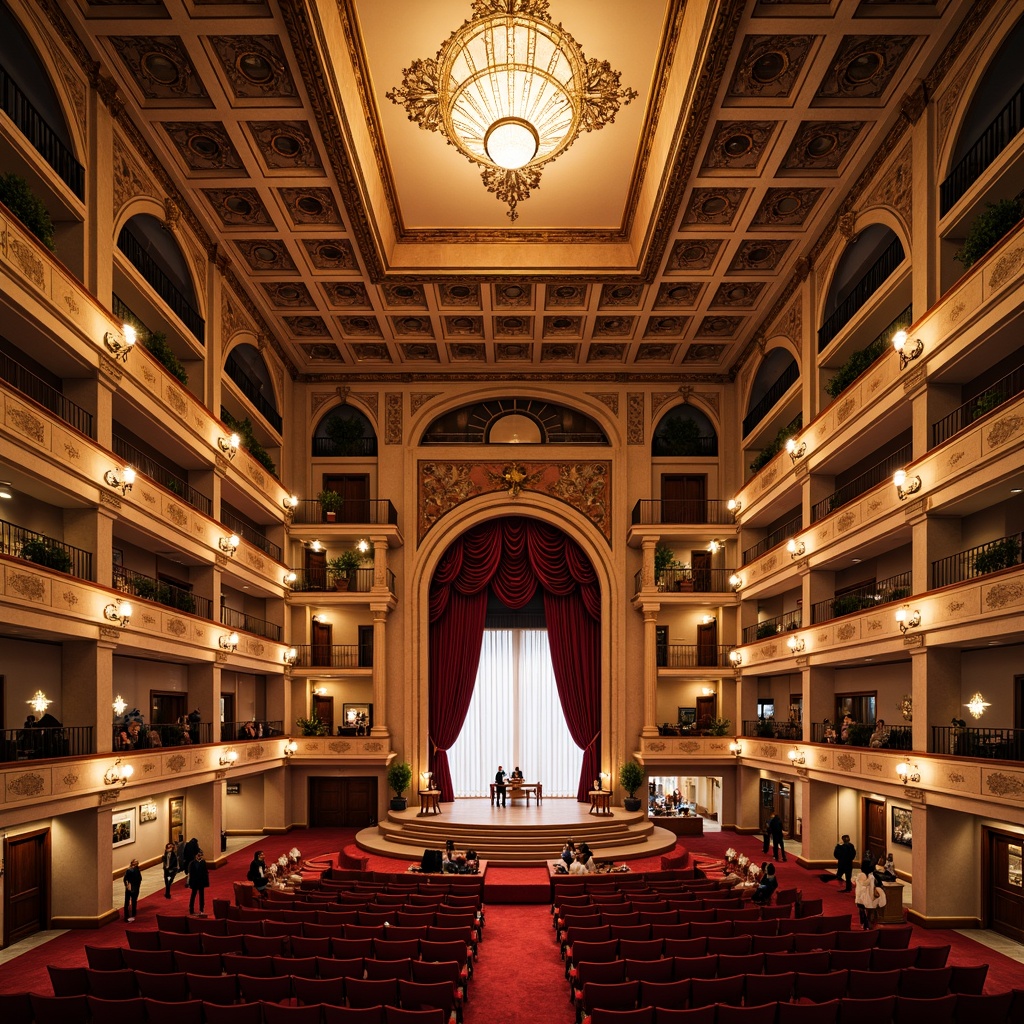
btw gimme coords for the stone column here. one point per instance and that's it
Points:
(650, 668)
(81, 866)
(204, 694)
(87, 668)
(380, 682)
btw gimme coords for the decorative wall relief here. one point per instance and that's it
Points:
(393, 418)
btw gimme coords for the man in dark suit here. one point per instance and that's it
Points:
(500, 792)
(845, 854)
(775, 831)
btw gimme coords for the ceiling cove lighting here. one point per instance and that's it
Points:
(511, 90)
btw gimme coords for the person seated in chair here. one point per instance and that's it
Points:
(516, 777)
(766, 887)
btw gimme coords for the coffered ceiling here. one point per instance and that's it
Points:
(662, 243)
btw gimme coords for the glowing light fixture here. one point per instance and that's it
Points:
(714, 546)
(908, 772)
(907, 350)
(796, 451)
(905, 485)
(119, 612)
(118, 773)
(315, 545)
(229, 445)
(736, 658)
(907, 619)
(797, 756)
(736, 748)
(229, 756)
(363, 546)
(119, 705)
(290, 747)
(734, 505)
(120, 347)
(124, 479)
(5, 490)
(735, 581)
(511, 90)
(289, 578)
(976, 705)
(795, 547)
(706, 620)
(229, 545)
(228, 641)
(425, 778)
(290, 656)
(290, 504)
(39, 702)
(796, 644)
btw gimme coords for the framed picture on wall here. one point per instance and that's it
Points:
(123, 823)
(147, 812)
(903, 826)
(358, 717)
(233, 788)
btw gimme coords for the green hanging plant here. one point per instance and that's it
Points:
(155, 343)
(995, 221)
(312, 726)
(17, 195)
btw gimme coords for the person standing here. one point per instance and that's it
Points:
(188, 854)
(775, 831)
(258, 873)
(767, 834)
(865, 895)
(132, 885)
(845, 854)
(500, 792)
(170, 866)
(198, 882)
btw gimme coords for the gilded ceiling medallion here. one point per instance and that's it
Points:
(789, 206)
(758, 254)
(621, 295)
(509, 352)
(821, 145)
(457, 293)
(310, 205)
(359, 326)
(265, 254)
(412, 326)
(288, 295)
(410, 295)
(419, 352)
(864, 66)
(606, 352)
(737, 294)
(330, 254)
(204, 146)
(713, 205)
(566, 296)
(769, 66)
(705, 353)
(694, 254)
(321, 351)
(559, 352)
(463, 326)
(465, 352)
(346, 295)
(738, 145)
(650, 352)
(307, 326)
(365, 353)
(254, 66)
(613, 326)
(666, 326)
(511, 90)
(682, 294)
(719, 326)
(161, 68)
(513, 326)
(563, 326)
(513, 294)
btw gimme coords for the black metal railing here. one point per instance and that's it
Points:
(859, 485)
(693, 656)
(249, 531)
(869, 355)
(981, 560)
(777, 536)
(44, 551)
(789, 376)
(992, 141)
(253, 390)
(897, 737)
(875, 277)
(135, 250)
(991, 398)
(165, 734)
(17, 106)
(254, 729)
(651, 511)
(360, 448)
(178, 485)
(138, 584)
(768, 628)
(970, 741)
(687, 581)
(44, 741)
(374, 511)
(27, 383)
(894, 588)
(234, 619)
(768, 728)
(360, 581)
(703, 447)
(334, 655)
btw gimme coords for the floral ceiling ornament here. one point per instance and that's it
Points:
(511, 90)
(515, 477)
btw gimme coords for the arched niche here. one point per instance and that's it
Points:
(775, 376)
(513, 420)
(684, 431)
(247, 368)
(343, 432)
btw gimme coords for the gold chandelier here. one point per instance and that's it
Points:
(511, 90)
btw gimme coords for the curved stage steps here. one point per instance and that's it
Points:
(516, 836)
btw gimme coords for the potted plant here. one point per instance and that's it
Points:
(330, 505)
(1000, 555)
(18, 197)
(47, 553)
(719, 726)
(996, 220)
(631, 778)
(399, 777)
(664, 559)
(343, 568)
(312, 726)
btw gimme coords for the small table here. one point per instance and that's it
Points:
(429, 801)
(600, 801)
(523, 789)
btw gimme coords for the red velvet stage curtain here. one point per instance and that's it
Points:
(513, 556)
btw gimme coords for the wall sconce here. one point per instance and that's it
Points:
(905, 349)
(735, 748)
(715, 546)
(796, 756)
(290, 747)
(706, 620)
(708, 691)
(118, 772)
(795, 547)
(289, 578)
(734, 505)
(735, 658)
(315, 545)
(905, 484)
(290, 656)
(229, 756)
(229, 445)
(124, 480)
(118, 348)
(119, 705)
(229, 545)
(976, 705)
(290, 504)
(39, 702)
(735, 581)
(363, 546)
(119, 612)
(228, 641)
(320, 618)
(908, 772)
(907, 619)
(796, 451)
(796, 644)
(319, 691)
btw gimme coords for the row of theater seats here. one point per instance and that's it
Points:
(699, 922)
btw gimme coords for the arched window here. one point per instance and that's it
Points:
(514, 421)
(684, 432)
(344, 432)
(246, 366)
(777, 373)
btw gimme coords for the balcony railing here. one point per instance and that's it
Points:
(137, 584)
(993, 744)
(250, 624)
(768, 628)
(249, 531)
(897, 737)
(993, 140)
(253, 390)
(360, 448)
(45, 141)
(863, 483)
(693, 656)
(977, 561)
(42, 741)
(334, 656)
(237, 732)
(164, 735)
(860, 362)
(702, 447)
(374, 511)
(768, 728)
(687, 581)
(25, 381)
(323, 579)
(178, 485)
(991, 398)
(135, 250)
(875, 277)
(789, 376)
(777, 536)
(44, 551)
(895, 588)
(653, 511)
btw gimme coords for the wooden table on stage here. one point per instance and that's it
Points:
(429, 801)
(600, 801)
(523, 789)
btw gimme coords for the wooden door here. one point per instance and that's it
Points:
(354, 488)
(176, 818)
(365, 638)
(1005, 889)
(26, 885)
(707, 646)
(315, 565)
(707, 710)
(229, 727)
(661, 646)
(323, 708)
(785, 808)
(700, 562)
(342, 802)
(166, 708)
(320, 645)
(684, 498)
(875, 835)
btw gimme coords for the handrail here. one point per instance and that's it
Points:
(696, 581)
(13, 540)
(652, 511)
(324, 579)
(148, 588)
(27, 383)
(334, 655)
(897, 737)
(705, 446)
(248, 531)
(874, 351)
(372, 511)
(769, 728)
(861, 484)
(178, 485)
(45, 741)
(768, 628)
(360, 447)
(234, 619)
(253, 390)
(894, 588)
(164, 734)
(693, 655)
(236, 732)
(972, 741)
(777, 536)
(789, 376)
(991, 398)
(993, 555)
